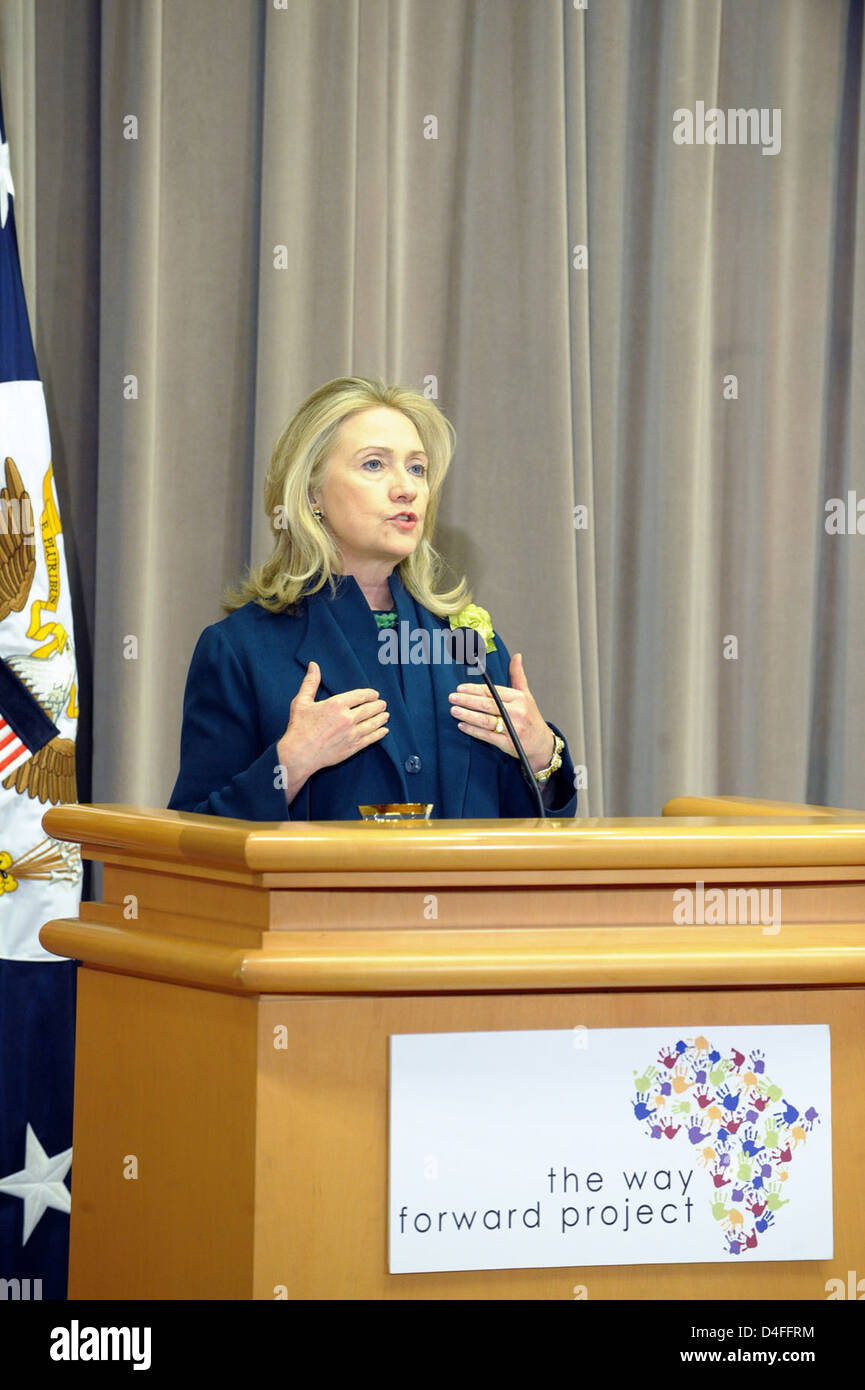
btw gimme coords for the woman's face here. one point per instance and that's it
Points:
(375, 489)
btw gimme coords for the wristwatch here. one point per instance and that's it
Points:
(555, 763)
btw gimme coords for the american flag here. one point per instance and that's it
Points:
(12, 751)
(39, 878)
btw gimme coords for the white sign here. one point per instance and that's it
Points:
(610, 1147)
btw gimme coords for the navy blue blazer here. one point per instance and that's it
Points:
(246, 670)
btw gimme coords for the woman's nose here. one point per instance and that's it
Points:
(406, 483)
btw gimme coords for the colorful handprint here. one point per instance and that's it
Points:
(752, 1144)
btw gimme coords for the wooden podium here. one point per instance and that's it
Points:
(240, 981)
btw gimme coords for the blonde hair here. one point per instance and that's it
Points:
(304, 557)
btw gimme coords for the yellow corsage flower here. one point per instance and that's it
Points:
(479, 619)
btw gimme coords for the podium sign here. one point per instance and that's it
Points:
(626, 1146)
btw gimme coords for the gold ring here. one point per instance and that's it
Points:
(500, 725)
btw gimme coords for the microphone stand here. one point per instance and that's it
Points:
(474, 664)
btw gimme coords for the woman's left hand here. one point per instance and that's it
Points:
(474, 707)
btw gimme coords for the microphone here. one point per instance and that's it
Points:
(475, 659)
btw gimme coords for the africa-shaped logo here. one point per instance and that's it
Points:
(744, 1128)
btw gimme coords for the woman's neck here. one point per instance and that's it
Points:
(378, 598)
(374, 586)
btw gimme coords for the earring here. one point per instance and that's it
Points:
(317, 513)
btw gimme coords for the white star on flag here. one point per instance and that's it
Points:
(6, 189)
(40, 1183)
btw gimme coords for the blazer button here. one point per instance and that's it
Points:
(413, 764)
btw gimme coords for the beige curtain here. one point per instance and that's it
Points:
(397, 187)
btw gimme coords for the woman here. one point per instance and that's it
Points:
(295, 708)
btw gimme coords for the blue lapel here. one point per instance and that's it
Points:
(337, 630)
(454, 747)
(341, 636)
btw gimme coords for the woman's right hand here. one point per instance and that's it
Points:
(320, 733)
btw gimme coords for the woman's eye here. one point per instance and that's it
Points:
(376, 465)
